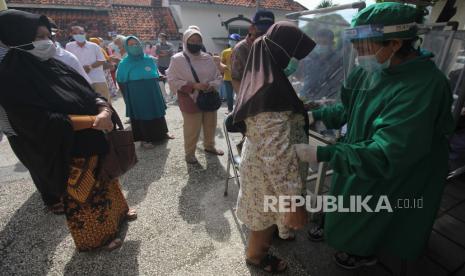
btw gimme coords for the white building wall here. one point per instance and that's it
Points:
(209, 17)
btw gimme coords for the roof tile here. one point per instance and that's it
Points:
(288, 5)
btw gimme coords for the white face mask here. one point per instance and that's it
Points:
(371, 64)
(80, 38)
(43, 49)
(232, 43)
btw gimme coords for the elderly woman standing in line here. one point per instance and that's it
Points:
(275, 121)
(137, 77)
(58, 121)
(181, 79)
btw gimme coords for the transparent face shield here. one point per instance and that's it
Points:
(365, 57)
(319, 76)
(367, 53)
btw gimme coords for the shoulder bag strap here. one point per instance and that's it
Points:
(192, 68)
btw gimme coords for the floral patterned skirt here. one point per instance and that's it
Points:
(96, 221)
(270, 167)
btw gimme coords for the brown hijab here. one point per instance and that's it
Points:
(264, 86)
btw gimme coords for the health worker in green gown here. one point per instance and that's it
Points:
(397, 107)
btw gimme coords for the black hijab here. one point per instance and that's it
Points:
(264, 86)
(38, 96)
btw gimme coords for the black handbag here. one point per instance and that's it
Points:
(121, 156)
(207, 100)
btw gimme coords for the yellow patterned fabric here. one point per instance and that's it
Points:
(96, 221)
(81, 178)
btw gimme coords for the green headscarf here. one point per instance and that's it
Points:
(136, 66)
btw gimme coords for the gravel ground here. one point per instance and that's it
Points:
(185, 225)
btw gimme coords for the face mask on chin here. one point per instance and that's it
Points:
(43, 49)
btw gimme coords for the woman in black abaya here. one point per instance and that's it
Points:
(58, 121)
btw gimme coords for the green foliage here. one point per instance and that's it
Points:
(325, 4)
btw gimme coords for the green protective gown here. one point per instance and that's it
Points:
(396, 145)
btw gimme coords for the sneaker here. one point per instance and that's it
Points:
(316, 234)
(351, 262)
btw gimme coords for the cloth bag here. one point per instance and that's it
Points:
(121, 156)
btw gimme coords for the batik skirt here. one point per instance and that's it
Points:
(94, 210)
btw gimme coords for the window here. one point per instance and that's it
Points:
(241, 30)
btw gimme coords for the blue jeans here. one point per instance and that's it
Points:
(228, 89)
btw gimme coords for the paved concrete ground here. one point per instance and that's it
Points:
(185, 225)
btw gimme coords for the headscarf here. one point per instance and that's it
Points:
(140, 67)
(193, 30)
(264, 86)
(97, 41)
(194, 27)
(38, 97)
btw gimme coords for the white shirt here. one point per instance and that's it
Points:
(87, 55)
(72, 61)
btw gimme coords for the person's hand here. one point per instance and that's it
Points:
(103, 121)
(201, 86)
(296, 220)
(217, 59)
(115, 59)
(87, 68)
(306, 153)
